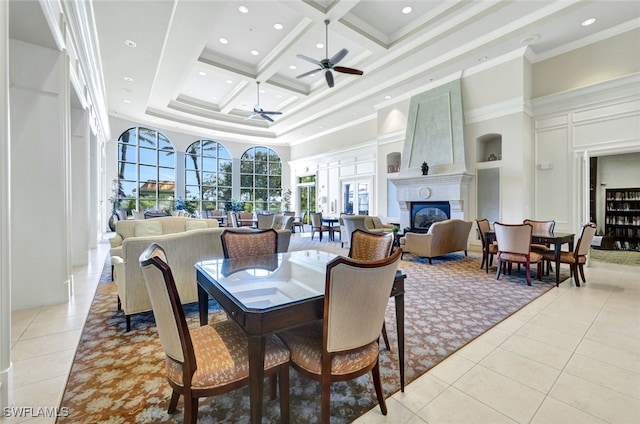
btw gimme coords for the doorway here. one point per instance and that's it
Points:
(355, 196)
(306, 197)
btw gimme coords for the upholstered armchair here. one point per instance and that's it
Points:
(443, 237)
(359, 222)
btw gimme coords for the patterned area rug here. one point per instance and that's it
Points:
(119, 377)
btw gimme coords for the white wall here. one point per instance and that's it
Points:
(80, 179)
(39, 241)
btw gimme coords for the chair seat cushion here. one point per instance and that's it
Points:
(305, 344)
(565, 257)
(514, 257)
(540, 248)
(222, 355)
(493, 248)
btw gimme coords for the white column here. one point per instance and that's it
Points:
(6, 368)
(80, 187)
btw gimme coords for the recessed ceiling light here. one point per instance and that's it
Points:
(588, 22)
(319, 45)
(128, 79)
(255, 52)
(127, 101)
(202, 73)
(292, 67)
(243, 9)
(530, 40)
(407, 9)
(223, 41)
(483, 59)
(387, 97)
(278, 25)
(229, 82)
(130, 43)
(279, 96)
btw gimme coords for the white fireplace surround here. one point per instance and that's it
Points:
(453, 188)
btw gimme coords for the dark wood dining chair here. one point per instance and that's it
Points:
(514, 246)
(488, 249)
(344, 345)
(241, 242)
(578, 257)
(208, 360)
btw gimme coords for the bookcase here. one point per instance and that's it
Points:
(622, 217)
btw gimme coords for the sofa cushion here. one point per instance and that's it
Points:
(195, 225)
(148, 228)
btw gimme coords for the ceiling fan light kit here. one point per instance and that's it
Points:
(258, 111)
(328, 65)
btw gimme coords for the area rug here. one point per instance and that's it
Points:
(119, 377)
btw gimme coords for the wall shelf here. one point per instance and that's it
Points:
(622, 217)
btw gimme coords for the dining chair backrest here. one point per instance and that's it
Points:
(232, 218)
(586, 237)
(316, 219)
(541, 227)
(367, 246)
(265, 221)
(167, 307)
(239, 243)
(356, 293)
(514, 238)
(483, 227)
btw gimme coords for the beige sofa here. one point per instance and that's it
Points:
(371, 224)
(443, 237)
(186, 241)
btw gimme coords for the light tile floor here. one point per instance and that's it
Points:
(571, 356)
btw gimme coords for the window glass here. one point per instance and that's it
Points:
(261, 179)
(202, 160)
(146, 170)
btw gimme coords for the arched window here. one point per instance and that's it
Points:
(146, 170)
(261, 179)
(207, 166)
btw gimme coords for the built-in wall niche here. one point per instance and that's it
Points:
(393, 162)
(489, 148)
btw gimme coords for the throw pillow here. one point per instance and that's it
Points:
(148, 228)
(195, 225)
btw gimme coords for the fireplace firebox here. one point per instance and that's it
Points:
(424, 214)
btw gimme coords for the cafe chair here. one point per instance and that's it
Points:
(317, 226)
(367, 246)
(578, 257)
(488, 250)
(514, 246)
(209, 360)
(298, 223)
(232, 219)
(239, 243)
(344, 345)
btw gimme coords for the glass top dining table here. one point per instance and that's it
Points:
(271, 293)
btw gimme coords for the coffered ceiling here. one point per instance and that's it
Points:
(192, 65)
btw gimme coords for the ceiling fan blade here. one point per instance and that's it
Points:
(329, 77)
(338, 56)
(250, 117)
(268, 112)
(348, 70)
(308, 59)
(267, 117)
(306, 74)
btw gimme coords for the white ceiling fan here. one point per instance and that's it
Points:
(257, 110)
(327, 65)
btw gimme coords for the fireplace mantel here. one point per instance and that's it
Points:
(453, 188)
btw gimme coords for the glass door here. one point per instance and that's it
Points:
(355, 196)
(306, 197)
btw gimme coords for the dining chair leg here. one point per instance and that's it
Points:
(173, 403)
(500, 265)
(576, 279)
(581, 269)
(484, 258)
(385, 337)
(375, 372)
(527, 273)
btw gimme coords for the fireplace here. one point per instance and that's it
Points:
(424, 214)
